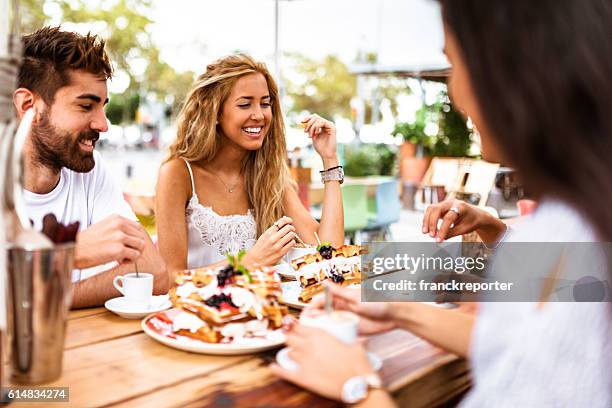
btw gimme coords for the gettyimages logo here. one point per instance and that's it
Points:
(591, 289)
(514, 272)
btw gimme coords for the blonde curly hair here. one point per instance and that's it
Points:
(265, 170)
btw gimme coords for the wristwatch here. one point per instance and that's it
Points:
(356, 389)
(333, 174)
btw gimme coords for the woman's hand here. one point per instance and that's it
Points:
(373, 317)
(272, 245)
(325, 363)
(323, 134)
(459, 217)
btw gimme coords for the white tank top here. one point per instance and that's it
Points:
(210, 235)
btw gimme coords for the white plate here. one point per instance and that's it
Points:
(291, 294)
(274, 339)
(283, 360)
(118, 306)
(286, 271)
(292, 291)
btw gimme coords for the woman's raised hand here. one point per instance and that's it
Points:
(323, 134)
(458, 218)
(272, 245)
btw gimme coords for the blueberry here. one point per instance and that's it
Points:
(326, 252)
(217, 301)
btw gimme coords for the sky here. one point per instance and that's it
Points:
(192, 33)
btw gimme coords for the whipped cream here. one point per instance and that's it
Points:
(313, 270)
(252, 328)
(244, 299)
(209, 290)
(234, 330)
(187, 321)
(183, 291)
(340, 261)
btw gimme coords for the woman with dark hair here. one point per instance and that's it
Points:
(535, 79)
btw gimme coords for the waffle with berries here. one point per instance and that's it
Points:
(341, 265)
(220, 304)
(326, 251)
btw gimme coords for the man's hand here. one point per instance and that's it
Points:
(115, 238)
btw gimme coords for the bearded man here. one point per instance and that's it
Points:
(63, 80)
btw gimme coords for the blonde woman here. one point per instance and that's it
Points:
(226, 185)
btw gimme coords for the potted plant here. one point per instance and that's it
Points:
(454, 138)
(370, 160)
(415, 151)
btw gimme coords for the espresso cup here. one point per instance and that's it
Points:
(137, 290)
(339, 323)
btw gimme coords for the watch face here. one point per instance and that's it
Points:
(354, 390)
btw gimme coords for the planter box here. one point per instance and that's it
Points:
(412, 169)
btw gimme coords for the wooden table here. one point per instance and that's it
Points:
(109, 361)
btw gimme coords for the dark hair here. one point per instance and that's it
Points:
(48, 55)
(542, 73)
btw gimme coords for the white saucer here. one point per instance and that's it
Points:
(119, 306)
(283, 360)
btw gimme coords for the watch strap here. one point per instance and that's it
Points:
(333, 174)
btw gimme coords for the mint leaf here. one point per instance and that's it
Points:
(323, 245)
(243, 270)
(231, 259)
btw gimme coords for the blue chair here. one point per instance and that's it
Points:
(388, 208)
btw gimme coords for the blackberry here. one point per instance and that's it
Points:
(217, 301)
(326, 251)
(335, 276)
(225, 275)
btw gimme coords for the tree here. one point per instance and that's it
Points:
(129, 44)
(325, 87)
(31, 15)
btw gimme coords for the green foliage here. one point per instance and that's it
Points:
(387, 159)
(128, 40)
(326, 87)
(453, 138)
(234, 261)
(122, 108)
(324, 244)
(31, 15)
(370, 160)
(415, 132)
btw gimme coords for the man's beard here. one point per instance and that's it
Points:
(54, 148)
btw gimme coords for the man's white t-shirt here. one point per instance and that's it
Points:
(84, 197)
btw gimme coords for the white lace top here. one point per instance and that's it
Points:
(210, 235)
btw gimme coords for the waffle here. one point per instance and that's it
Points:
(345, 251)
(343, 267)
(212, 298)
(312, 286)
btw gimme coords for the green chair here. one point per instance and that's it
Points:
(355, 201)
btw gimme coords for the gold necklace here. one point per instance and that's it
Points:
(228, 188)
